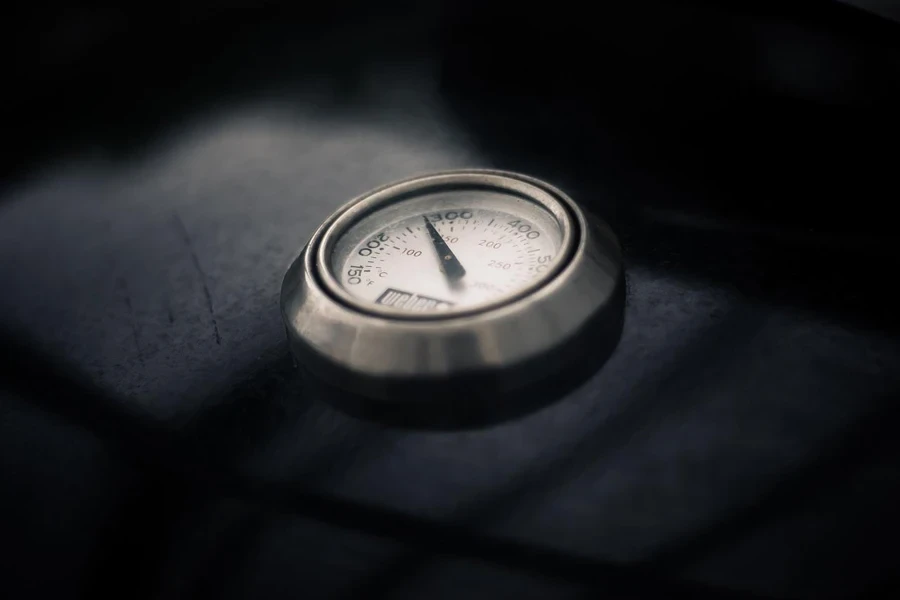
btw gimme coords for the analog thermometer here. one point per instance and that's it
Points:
(475, 282)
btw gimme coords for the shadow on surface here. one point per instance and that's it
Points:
(40, 379)
(861, 443)
(650, 400)
(716, 164)
(229, 557)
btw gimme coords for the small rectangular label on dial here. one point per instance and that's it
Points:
(410, 301)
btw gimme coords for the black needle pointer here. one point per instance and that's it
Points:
(449, 262)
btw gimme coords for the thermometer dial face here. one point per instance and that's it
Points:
(448, 252)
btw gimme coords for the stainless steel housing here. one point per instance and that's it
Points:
(411, 358)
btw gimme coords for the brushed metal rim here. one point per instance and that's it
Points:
(504, 347)
(322, 244)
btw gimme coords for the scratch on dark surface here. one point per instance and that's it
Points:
(209, 304)
(123, 285)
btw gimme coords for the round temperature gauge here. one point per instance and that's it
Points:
(450, 251)
(463, 278)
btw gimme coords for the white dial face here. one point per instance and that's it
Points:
(448, 252)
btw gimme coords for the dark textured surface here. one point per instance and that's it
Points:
(740, 436)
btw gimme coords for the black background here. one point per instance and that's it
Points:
(165, 163)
